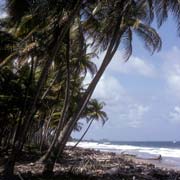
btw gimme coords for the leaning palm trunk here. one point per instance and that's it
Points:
(45, 131)
(68, 128)
(65, 106)
(83, 134)
(45, 70)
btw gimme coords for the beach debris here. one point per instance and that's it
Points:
(90, 164)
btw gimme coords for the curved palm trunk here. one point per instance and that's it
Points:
(45, 70)
(68, 128)
(21, 114)
(44, 73)
(65, 106)
(46, 126)
(84, 133)
(50, 86)
(48, 168)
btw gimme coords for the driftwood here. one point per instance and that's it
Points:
(155, 158)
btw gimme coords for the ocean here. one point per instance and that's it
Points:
(169, 151)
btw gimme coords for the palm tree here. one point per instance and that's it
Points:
(94, 112)
(53, 30)
(124, 18)
(130, 19)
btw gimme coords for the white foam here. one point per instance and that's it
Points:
(138, 150)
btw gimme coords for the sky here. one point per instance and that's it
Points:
(142, 96)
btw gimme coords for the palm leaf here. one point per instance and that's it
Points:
(126, 42)
(150, 37)
(161, 10)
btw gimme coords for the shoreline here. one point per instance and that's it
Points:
(155, 157)
(157, 163)
(86, 164)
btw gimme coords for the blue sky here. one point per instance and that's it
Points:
(142, 96)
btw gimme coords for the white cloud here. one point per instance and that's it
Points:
(171, 70)
(173, 79)
(110, 90)
(134, 65)
(136, 114)
(119, 104)
(175, 115)
(122, 108)
(173, 54)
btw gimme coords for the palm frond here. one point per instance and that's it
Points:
(174, 6)
(161, 10)
(150, 37)
(126, 42)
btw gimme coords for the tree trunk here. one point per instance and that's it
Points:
(65, 106)
(44, 73)
(83, 134)
(65, 133)
(9, 167)
(29, 116)
(68, 128)
(44, 135)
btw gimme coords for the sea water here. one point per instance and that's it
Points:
(169, 151)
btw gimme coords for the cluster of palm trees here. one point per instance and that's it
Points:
(44, 61)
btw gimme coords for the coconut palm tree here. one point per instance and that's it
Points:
(108, 33)
(94, 113)
(53, 31)
(130, 21)
(31, 36)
